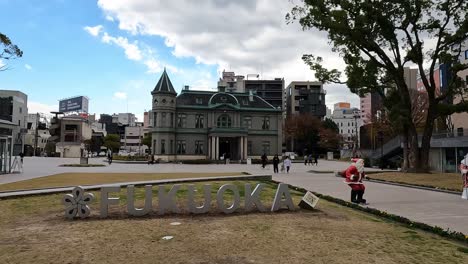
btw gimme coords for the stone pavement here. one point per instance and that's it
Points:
(433, 208)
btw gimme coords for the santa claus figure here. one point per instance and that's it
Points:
(354, 175)
(464, 173)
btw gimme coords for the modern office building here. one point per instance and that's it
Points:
(210, 125)
(306, 98)
(272, 91)
(14, 108)
(371, 106)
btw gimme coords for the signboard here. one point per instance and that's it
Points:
(309, 201)
(74, 104)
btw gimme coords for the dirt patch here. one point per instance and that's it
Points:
(38, 233)
(449, 181)
(74, 179)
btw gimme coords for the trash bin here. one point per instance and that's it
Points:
(329, 155)
(249, 161)
(83, 160)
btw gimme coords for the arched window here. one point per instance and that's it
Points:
(224, 121)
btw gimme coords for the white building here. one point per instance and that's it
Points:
(42, 135)
(124, 119)
(349, 121)
(131, 142)
(14, 109)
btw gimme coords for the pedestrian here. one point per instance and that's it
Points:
(275, 163)
(264, 160)
(316, 159)
(21, 154)
(310, 159)
(287, 164)
(305, 159)
(109, 157)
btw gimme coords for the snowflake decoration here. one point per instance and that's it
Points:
(77, 203)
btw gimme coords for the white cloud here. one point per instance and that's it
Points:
(109, 18)
(28, 67)
(253, 36)
(120, 95)
(131, 49)
(36, 107)
(153, 66)
(94, 31)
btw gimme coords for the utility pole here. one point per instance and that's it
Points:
(36, 135)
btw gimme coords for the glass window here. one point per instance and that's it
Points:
(266, 123)
(171, 148)
(224, 121)
(172, 120)
(198, 147)
(199, 100)
(163, 119)
(199, 121)
(249, 147)
(248, 122)
(155, 119)
(466, 54)
(181, 120)
(181, 147)
(266, 147)
(163, 146)
(21, 110)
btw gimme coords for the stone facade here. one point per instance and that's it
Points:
(210, 125)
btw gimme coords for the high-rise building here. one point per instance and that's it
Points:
(371, 104)
(271, 91)
(306, 97)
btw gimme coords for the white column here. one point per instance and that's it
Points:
(241, 143)
(213, 148)
(245, 147)
(209, 147)
(217, 148)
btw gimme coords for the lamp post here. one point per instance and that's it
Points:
(380, 137)
(356, 115)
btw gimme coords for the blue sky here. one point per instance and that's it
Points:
(114, 51)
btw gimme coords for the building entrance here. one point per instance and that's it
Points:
(5, 154)
(229, 148)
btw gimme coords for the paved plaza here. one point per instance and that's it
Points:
(434, 208)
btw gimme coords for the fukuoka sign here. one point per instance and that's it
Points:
(78, 203)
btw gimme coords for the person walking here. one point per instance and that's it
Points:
(109, 157)
(275, 164)
(306, 158)
(21, 154)
(264, 160)
(310, 159)
(287, 164)
(316, 159)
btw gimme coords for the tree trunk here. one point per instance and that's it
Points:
(405, 165)
(426, 139)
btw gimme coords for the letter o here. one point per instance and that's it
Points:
(220, 198)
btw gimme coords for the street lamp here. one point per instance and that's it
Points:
(380, 137)
(356, 115)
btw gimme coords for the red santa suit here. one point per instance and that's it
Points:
(354, 175)
(354, 178)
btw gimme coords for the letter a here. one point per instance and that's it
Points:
(279, 202)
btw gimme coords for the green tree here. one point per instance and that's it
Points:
(112, 141)
(147, 141)
(8, 51)
(329, 124)
(377, 40)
